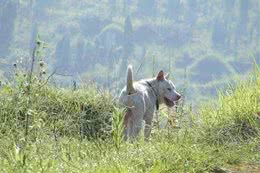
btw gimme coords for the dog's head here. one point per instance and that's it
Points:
(167, 90)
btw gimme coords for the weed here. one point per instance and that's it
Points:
(118, 127)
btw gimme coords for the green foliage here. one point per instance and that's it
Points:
(118, 127)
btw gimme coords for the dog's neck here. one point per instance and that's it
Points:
(153, 91)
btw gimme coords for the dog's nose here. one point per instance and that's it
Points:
(178, 97)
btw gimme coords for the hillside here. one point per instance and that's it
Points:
(203, 44)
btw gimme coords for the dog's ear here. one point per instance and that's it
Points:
(160, 75)
(167, 76)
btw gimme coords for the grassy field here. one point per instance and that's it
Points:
(203, 45)
(47, 129)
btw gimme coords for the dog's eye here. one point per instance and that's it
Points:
(169, 89)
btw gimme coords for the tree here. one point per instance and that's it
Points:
(228, 5)
(192, 11)
(128, 37)
(218, 34)
(241, 30)
(228, 19)
(63, 54)
(146, 7)
(244, 6)
(40, 7)
(127, 43)
(80, 54)
(126, 3)
(7, 22)
(173, 9)
(112, 4)
(33, 37)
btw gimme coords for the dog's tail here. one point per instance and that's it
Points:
(129, 81)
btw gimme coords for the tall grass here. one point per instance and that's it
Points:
(81, 131)
(237, 115)
(118, 127)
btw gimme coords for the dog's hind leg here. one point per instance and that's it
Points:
(136, 119)
(148, 124)
(127, 123)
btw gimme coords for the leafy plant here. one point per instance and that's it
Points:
(118, 127)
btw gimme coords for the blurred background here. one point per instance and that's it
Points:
(204, 45)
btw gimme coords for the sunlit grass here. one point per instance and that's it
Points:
(236, 114)
(70, 131)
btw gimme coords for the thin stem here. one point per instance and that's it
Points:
(29, 103)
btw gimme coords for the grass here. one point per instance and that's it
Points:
(161, 154)
(237, 115)
(71, 113)
(71, 131)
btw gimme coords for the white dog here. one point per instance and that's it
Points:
(142, 98)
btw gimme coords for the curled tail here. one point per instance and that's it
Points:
(129, 81)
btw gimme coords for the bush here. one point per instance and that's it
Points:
(209, 69)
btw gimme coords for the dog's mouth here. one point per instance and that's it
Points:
(168, 102)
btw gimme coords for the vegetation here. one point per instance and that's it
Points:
(81, 131)
(58, 101)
